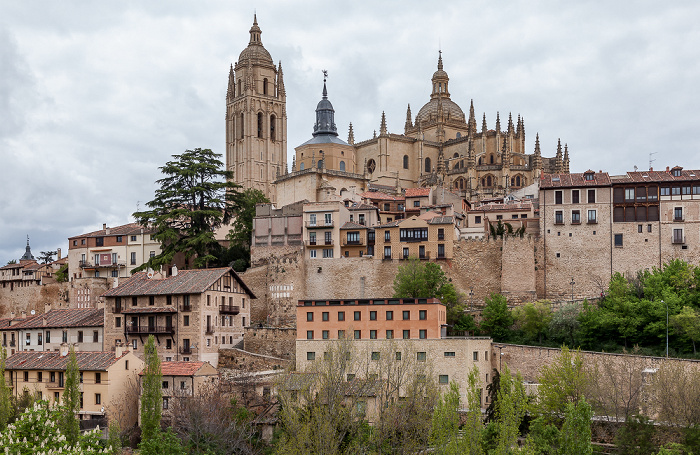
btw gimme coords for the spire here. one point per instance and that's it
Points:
(440, 80)
(255, 31)
(231, 91)
(281, 92)
(484, 128)
(409, 124)
(510, 124)
(27, 253)
(558, 164)
(498, 122)
(374, 135)
(521, 133)
(537, 145)
(566, 158)
(440, 60)
(472, 119)
(325, 114)
(382, 126)
(351, 136)
(537, 159)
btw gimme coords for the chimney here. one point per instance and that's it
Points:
(23, 315)
(47, 307)
(64, 349)
(107, 231)
(12, 314)
(58, 254)
(118, 350)
(104, 225)
(668, 169)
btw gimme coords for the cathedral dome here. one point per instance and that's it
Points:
(255, 49)
(450, 110)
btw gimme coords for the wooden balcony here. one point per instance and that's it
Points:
(229, 309)
(150, 330)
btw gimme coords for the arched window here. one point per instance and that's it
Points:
(488, 180)
(265, 86)
(320, 164)
(342, 165)
(405, 161)
(301, 167)
(272, 128)
(240, 85)
(242, 127)
(491, 159)
(479, 161)
(456, 155)
(260, 125)
(427, 165)
(456, 184)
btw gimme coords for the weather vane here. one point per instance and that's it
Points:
(325, 75)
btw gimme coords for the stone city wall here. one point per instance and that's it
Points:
(270, 341)
(33, 298)
(237, 359)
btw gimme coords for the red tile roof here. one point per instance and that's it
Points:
(59, 318)
(127, 229)
(417, 192)
(442, 220)
(351, 225)
(574, 180)
(660, 176)
(179, 368)
(185, 282)
(378, 195)
(358, 206)
(52, 360)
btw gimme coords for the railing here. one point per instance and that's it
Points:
(346, 242)
(441, 256)
(424, 257)
(149, 329)
(593, 221)
(185, 349)
(310, 242)
(12, 343)
(117, 309)
(209, 330)
(412, 239)
(87, 264)
(678, 239)
(319, 224)
(229, 309)
(184, 307)
(55, 384)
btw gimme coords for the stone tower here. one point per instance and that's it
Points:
(256, 118)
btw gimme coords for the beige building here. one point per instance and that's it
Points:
(103, 378)
(428, 237)
(110, 252)
(82, 328)
(256, 118)
(192, 313)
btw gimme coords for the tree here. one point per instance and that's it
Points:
(194, 199)
(151, 395)
(533, 319)
(62, 274)
(244, 208)
(12, 261)
(676, 394)
(162, 443)
(564, 323)
(427, 280)
(46, 256)
(473, 428)
(510, 410)
(5, 393)
(69, 424)
(688, 323)
(635, 436)
(496, 318)
(576, 431)
(561, 382)
(444, 435)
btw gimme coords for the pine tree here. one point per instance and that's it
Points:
(5, 393)
(69, 424)
(151, 395)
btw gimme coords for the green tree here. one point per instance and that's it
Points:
(194, 199)
(151, 395)
(416, 279)
(62, 274)
(473, 428)
(688, 323)
(163, 443)
(576, 431)
(12, 261)
(244, 208)
(635, 437)
(510, 410)
(533, 319)
(496, 318)
(69, 424)
(543, 438)
(444, 435)
(564, 323)
(561, 382)
(5, 393)
(46, 256)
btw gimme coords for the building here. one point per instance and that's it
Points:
(515, 213)
(110, 252)
(192, 313)
(82, 328)
(622, 224)
(256, 118)
(429, 236)
(104, 377)
(411, 329)
(27, 271)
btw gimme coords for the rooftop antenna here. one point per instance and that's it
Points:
(635, 168)
(650, 160)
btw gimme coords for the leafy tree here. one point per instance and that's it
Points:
(533, 319)
(543, 438)
(492, 390)
(576, 431)
(69, 424)
(5, 393)
(564, 323)
(12, 261)
(62, 274)
(46, 256)
(162, 443)
(635, 437)
(563, 381)
(427, 280)
(473, 428)
(688, 323)
(444, 435)
(244, 208)
(496, 318)
(193, 199)
(114, 441)
(510, 410)
(151, 395)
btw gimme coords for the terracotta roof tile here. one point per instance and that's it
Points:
(351, 225)
(417, 192)
(59, 318)
(52, 360)
(179, 368)
(661, 176)
(185, 282)
(574, 180)
(359, 206)
(378, 195)
(126, 229)
(442, 220)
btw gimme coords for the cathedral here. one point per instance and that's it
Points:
(440, 147)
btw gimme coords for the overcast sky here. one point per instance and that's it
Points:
(94, 96)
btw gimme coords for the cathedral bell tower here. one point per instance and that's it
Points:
(256, 118)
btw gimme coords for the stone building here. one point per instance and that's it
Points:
(192, 313)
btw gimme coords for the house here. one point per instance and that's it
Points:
(430, 236)
(104, 377)
(192, 313)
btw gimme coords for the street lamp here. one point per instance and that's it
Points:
(572, 289)
(500, 357)
(666, 327)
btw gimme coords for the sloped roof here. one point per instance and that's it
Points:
(389, 225)
(66, 317)
(574, 180)
(126, 229)
(378, 195)
(442, 220)
(661, 176)
(185, 282)
(417, 192)
(179, 368)
(351, 225)
(52, 360)
(360, 206)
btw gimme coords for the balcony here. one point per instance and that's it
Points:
(424, 257)
(55, 385)
(117, 309)
(186, 308)
(209, 330)
(149, 330)
(346, 242)
(90, 265)
(229, 309)
(592, 221)
(310, 242)
(185, 350)
(678, 239)
(318, 225)
(440, 256)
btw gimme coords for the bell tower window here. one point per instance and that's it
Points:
(240, 90)
(405, 161)
(242, 127)
(265, 86)
(272, 128)
(260, 125)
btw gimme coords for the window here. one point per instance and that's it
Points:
(678, 236)
(665, 191)
(98, 378)
(39, 376)
(48, 334)
(186, 321)
(387, 236)
(618, 240)
(416, 203)
(182, 385)
(420, 356)
(98, 398)
(310, 356)
(422, 334)
(152, 300)
(648, 230)
(576, 217)
(413, 234)
(443, 379)
(328, 237)
(389, 315)
(558, 217)
(328, 218)
(387, 252)
(427, 165)
(26, 376)
(406, 334)
(312, 253)
(342, 165)
(422, 315)
(328, 252)
(358, 334)
(134, 344)
(324, 334)
(678, 214)
(405, 161)
(310, 316)
(357, 316)
(449, 354)
(629, 194)
(574, 196)
(372, 315)
(405, 253)
(39, 339)
(309, 334)
(80, 336)
(152, 254)
(375, 355)
(341, 334)
(324, 315)
(591, 196)
(406, 315)
(592, 217)
(312, 219)
(353, 237)
(475, 356)
(389, 334)
(558, 197)
(341, 315)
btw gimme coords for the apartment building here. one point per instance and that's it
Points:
(417, 198)
(80, 327)
(619, 223)
(430, 236)
(515, 213)
(103, 377)
(110, 252)
(192, 313)
(390, 207)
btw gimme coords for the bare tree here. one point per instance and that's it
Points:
(124, 408)
(676, 393)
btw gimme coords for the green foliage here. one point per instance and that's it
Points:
(244, 208)
(576, 431)
(11, 261)
(5, 393)
(473, 428)
(416, 279)
(61, 274)
(445, 423)
(162, 443)
(533, 319)
(496, 318)
(69, 424)
(687, 323)
(114, 441)
(510, 410)
(46, 256)
(193, 200)
(36, 431)
(151, 395)
(492, 390)
(564, 323)
(635, 437)
(543, 438)
(561, 382)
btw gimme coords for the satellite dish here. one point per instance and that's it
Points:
(149, 274)
(32, 312)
